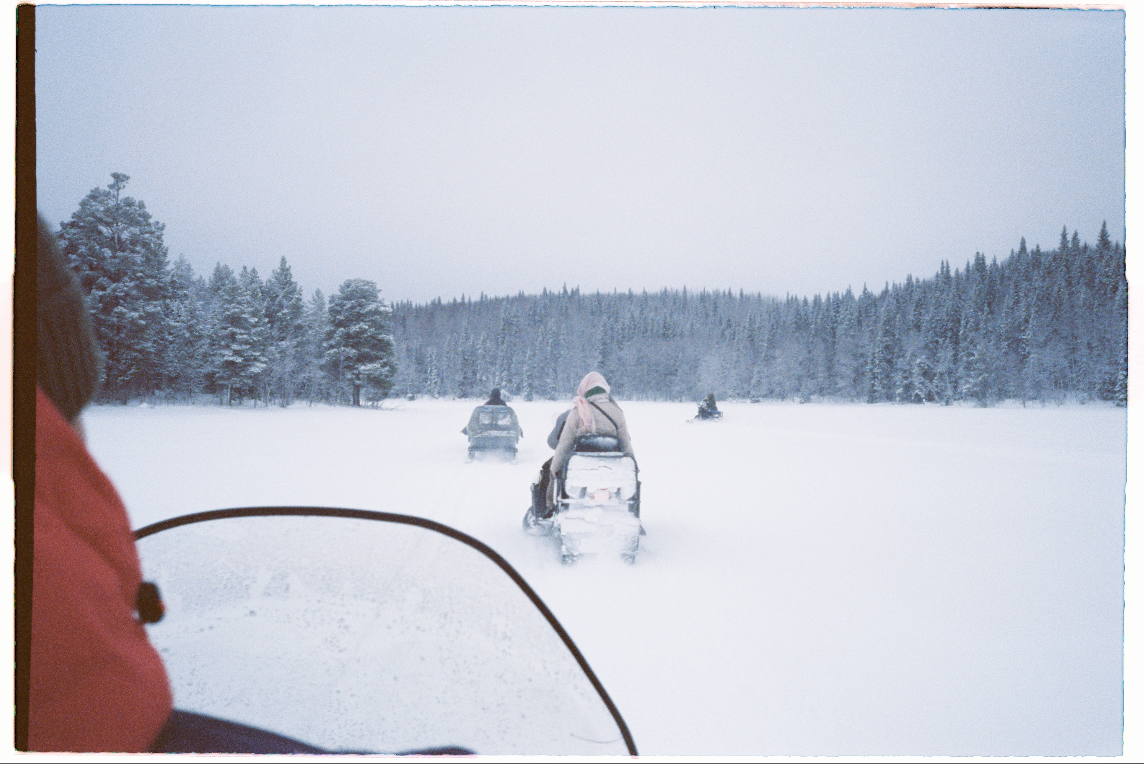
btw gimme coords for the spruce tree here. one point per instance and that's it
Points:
(238, 357)
(359, 349)
(117, 250)
(285, 329)
(254, 298)
(188, 349)
(432, 375)
(313, 378)
(883, 359)
(526, 376)
(467, 378)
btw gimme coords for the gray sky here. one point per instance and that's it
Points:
(441, 151)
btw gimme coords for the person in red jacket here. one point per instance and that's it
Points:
(96, 683)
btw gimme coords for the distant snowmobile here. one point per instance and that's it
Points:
(708, 410)
(597, 502)
(493, 430)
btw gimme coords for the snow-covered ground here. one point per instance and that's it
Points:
(816, 579)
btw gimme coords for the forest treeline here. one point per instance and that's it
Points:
(1041, 325)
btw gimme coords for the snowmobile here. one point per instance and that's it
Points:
(493, 430)
(707, 411)
(357, 631)
(597, 502)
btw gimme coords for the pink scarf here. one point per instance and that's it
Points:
(580, 402)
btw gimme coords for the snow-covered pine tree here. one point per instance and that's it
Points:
(820, 341)
(410, 370)
(432, 375)
(467, 373)
(977, 375)
(539, 370)
(848, 347)
(507, 341)
(188, 350)
(255, 302)
(526, 376)
(883, 358)
(1111, 287)
(928, 382)
(313, 380)
(285, 355)
(485, 365)
(359, 350)
(238, 357)
(605, 358)
(117, 250)
(978, 372)
(1120, 391)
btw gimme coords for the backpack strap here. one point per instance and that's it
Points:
(605, 413)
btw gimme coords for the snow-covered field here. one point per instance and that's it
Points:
(816, 579)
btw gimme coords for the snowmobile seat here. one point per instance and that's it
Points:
(595, 444)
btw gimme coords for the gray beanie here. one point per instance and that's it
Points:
(67, 358)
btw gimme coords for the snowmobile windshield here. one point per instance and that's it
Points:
(362, 631)
(491, 418)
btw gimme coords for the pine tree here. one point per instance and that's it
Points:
(359, 350)
(467, 378)
(188, 350)
(312, 377)
(432, 375)
(285, 354)
(1103, 243)
(254, 302)
(485, 365)
(238, 357)
(117, 251)
(883, 359)
(506, 342)
(526, 376)
(1120, 394)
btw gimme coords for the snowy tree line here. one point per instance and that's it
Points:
(1042, 325)
(163, 331)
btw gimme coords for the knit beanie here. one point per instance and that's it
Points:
(67, 358)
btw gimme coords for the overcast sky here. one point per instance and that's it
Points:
(441, 151)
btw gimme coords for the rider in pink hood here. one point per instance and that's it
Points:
(593, 412)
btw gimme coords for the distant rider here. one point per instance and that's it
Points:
(708, 409)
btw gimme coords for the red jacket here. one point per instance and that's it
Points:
(97, 684)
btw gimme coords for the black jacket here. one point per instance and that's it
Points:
(554, 436)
